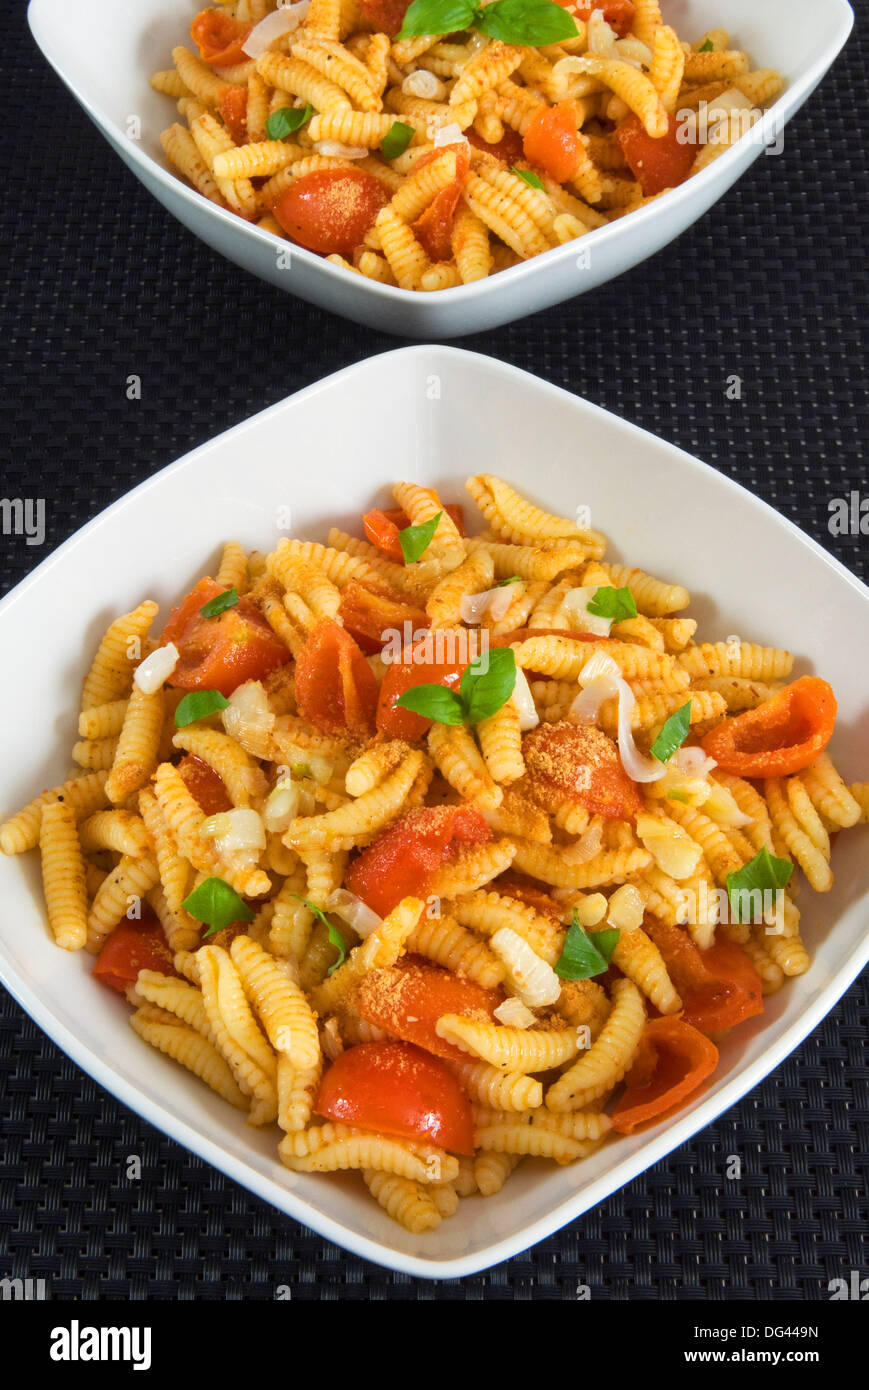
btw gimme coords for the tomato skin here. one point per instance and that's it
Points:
(233, 109)
(404, 859)
(382, 525)
(330, 210)
(552, 141)
(220, 653)
(579, 762)
(408, 999)
(386, 16)
(733, 995)
(434, 228)
(529, 891)
(369, 614)
(619, 14)
(395, 1088)
(204, 784)
(335, 686)
(673, 1060)
(219, 38)
(508, 149)
(414, 669)
(131, 947)
(658, 164)
(782, 736)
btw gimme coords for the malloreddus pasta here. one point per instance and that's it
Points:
(436, 852)
(427, 159)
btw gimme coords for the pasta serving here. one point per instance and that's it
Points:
(437, 852)
(428, 159)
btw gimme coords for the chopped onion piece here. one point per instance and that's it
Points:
(238, 835)
(282, 806)
(281, 21)
(514, 1014)
(626, 908)
(249, 719)
(336, 150)
(474, 607)
(451, 134)
(575, 605)
(692, 761)
(531, 977)
(670, 846)
(524, 702)
(151, 673)
(722, 807)
(587, 846)
(353, 911)
(422, 83)
(601, 672)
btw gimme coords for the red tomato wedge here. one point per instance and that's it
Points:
(673, 1060)
(372, 615)
(529, 891)
(404, 859)
(219, 38)
(384, 16)
(658, 164)
(508, 149)
(782, 736)
(395, 1088)
(233, 109)
(330, 210)
(131, 947)
(579, 762)
(619, 14)
(204, 784)
(382, 526)
(416, 668)
(434, 228)
(552, 140)
(719, 987)
(220, 653)
(409, 998)
(335, 686)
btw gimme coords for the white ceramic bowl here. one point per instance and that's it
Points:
(431, 414)
(105, 52)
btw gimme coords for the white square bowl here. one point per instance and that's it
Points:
(105, 51)
(432, 414)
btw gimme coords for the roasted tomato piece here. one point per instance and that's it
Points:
(434, 228)
(372, 615)
(619, 14)
(335, 686)
(404, 859)
(131, 947)
(204, 784)
(233, 109)
(219, 38)
(330, 210)
(417, 667)
(659, 163)
(508, 149)
(223, 652)
(782, 736)
(579, 763)
(408, 999)
(552, 141)
(719, 987)
(672, 1062)
(382, 525)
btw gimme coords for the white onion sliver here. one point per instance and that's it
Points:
(335, 150)
(353, 911)
(282, 21)
(451, 134)
(575, 604)
(514, 1014)
(586, 847)
(474, 607)
(524, 702)
(606, 677)
(156, 668)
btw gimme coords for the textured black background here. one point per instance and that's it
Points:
(99, 283)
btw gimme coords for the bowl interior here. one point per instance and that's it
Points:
(434, 415)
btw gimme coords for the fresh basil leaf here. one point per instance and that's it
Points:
(219, 604)
(217, 905)
(198, 704)
(707, 47)
(526, 22)
(762, 874)
(437, 17)
(433, 702)
(607, 602)
(335, 937)
(488, 683)
(284, 121)
(513, 579)
(672, 735)
(534, 180)
(584, 956)
(415, 540)
(396, 140)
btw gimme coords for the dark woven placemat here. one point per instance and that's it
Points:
(101, 284)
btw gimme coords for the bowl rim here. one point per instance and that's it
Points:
(782, 110)
(292, 1202)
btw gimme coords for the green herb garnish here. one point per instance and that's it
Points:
(523, 22)
(762, 874)
(513, 579)
(607, 602)
(335, 937)
(585, 955)
(219, 604)
(534, 180)
(707, 47)
(198, 704)
(287, 119)
(415, 540)
(487, 683)
(396, 140)
(217, 905)
(673, 734)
